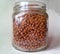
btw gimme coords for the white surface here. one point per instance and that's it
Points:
(54, 4)
(6, 32)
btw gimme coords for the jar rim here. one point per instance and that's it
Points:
(26, 5)
(31, 3)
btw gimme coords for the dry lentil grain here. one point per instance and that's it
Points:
(31, 33)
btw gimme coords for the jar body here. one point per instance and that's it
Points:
(30, 30)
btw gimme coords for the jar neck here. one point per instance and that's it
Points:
(30, 6)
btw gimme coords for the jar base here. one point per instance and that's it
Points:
(26, 50)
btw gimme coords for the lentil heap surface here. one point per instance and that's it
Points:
(30, 33)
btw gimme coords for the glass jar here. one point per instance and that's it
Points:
(30, 26)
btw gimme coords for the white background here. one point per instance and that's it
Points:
(53, 10)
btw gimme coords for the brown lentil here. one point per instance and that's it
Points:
(30, 33)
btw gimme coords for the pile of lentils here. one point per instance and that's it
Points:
(30, 33)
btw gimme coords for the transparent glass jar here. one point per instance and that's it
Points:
(30, 26)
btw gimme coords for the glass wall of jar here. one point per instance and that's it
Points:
(30, 26)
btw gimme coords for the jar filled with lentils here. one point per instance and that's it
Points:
(30, 26)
